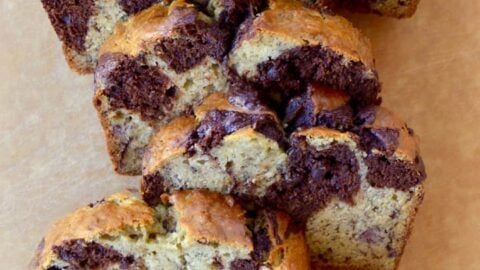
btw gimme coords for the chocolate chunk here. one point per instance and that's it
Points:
(136, 86)
(384, 139)
(133, 6)
(90, 255)
(194, 40)
(293, 69)
(234, 12)
(217, 124)
(314, 178)
(340, 118)
(248, 98)
(70, 20)
(394, 173)
(300, 112)
(152, 186)
(320, 106)
(242, 264)
(262, 245)
(371, 235)
(247, 95)
(365, 116)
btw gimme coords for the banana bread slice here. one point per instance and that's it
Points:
(188, 230)
(356, 190)
(284, 48)
(372, 168)
(83, 26)
(225, 148)
(155, 66)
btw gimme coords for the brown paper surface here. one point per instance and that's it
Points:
(53, 158)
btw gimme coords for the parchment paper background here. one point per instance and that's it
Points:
(53, 158)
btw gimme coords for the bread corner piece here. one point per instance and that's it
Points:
(82, 26)
(148, 74)
(287, 46)
(188, 230)
(357, 191)
(224, 148)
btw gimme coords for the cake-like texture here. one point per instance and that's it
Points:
(188, 230)
(360, 174)
(284, 48)
(357, 190)
(166, 60)
(224, 148)
(83, 26)
(155, 66)
(355, 186)
(392, 8)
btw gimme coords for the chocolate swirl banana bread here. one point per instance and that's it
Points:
(155, 66)
(187, 230)
(357, 191)
(224, 148)
(392, 8)
(83, 26)
(163, 61)
(356, 186)
(287, 46)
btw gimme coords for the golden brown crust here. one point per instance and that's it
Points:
(219, 101)
(325, 98)
(167, 142)
(212, 218)
(418, 199)
(407, 144)
(412, 8)
(333, 32)
(108, 216)
(113, 147)
(216, 101)
(394, 10)
(283, 4)
(128, 37)
(292, 251)
(321, 132)
(134, 35)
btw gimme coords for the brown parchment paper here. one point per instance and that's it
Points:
(53, 158)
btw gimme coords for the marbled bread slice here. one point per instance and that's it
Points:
(83, 26)
(154, 67)
(188, 230)
(286, 47)
(224, 148)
